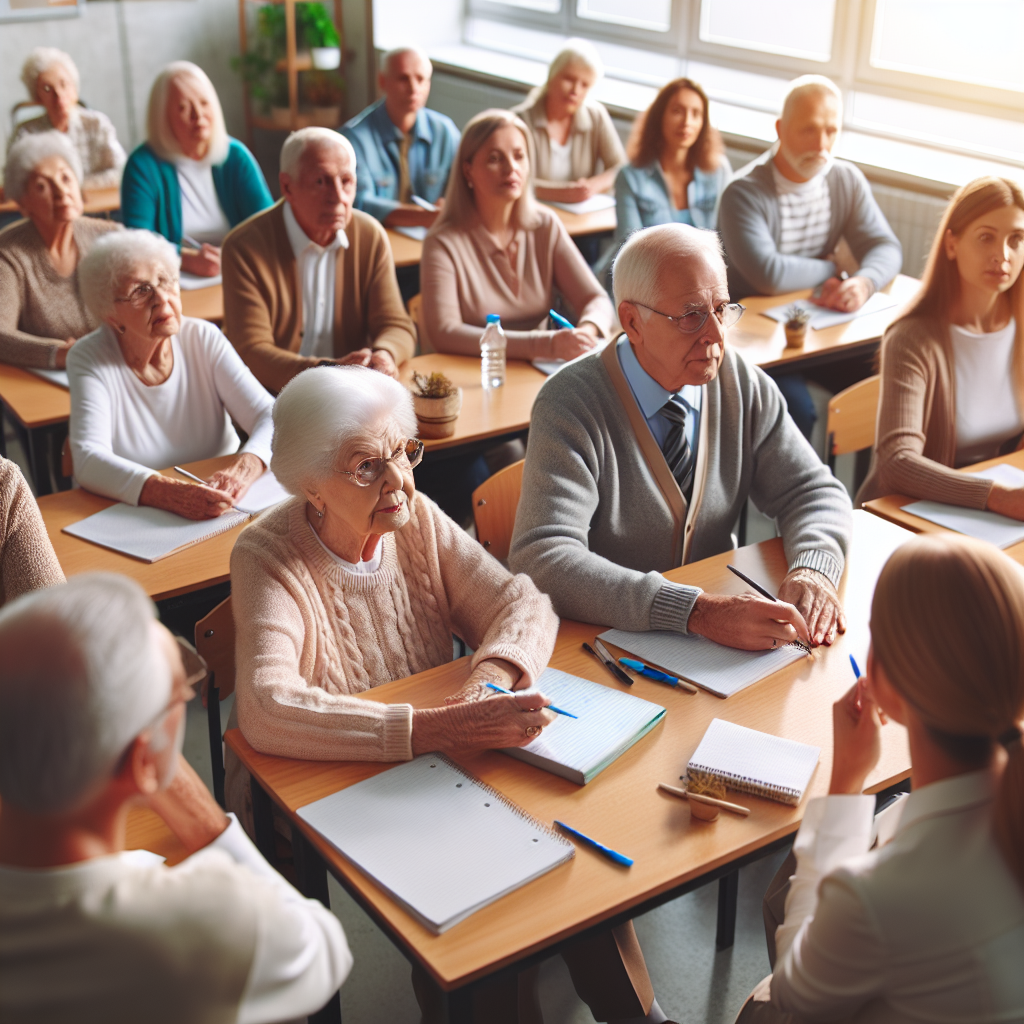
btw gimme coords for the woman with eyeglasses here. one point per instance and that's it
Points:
(152, 389)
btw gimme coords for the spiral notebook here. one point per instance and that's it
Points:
(755, 762)
(442, 843)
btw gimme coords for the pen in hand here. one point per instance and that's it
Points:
(765, 594)
(550, 707)
(560, 321)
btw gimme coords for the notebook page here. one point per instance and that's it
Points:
(193, 282)
(822, 318)
(745, 754)
(58, 377)
(262, 494)
(721, 670)
(437, 839)
(996, 529)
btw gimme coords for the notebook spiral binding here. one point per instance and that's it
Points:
(746, 784)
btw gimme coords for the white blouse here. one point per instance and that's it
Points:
(201, 215)
(560, 168)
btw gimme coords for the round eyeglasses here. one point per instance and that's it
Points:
(369, 471)
(143, 294)
(727, 314)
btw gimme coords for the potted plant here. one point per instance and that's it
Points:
(795, 324)
(323, 92)
(437, 402)
(319, 35)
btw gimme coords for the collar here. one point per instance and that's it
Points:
(582, 120)
(301, 242)
(490, 243)
(649, 394)
(946, 797)
(390, 132)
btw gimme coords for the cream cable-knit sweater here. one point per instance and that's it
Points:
(310, 637)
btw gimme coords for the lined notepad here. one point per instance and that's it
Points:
(720, 670)
(442, 843)
(755, 762)
(822, 317)
(609, 722)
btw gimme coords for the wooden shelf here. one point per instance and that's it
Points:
(303, 62)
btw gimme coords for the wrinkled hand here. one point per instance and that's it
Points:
(203, 262)
(502, 720)
(566, 344)
(188, 808)
(193, 501)
(748, 622)
(845, 296)
(361, 357)
(1006, 501)
(383, 362)
(490, 670)
(814, 597)
(235, 478)
(61, 360)
(856, 739)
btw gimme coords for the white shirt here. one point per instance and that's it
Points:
(805, 211)
(929, 927)
(219, 937)
(121, 429)
(201, 215)
(318, 269)
(364, 567)
(92, 134)
(560, 168)
(986, 399)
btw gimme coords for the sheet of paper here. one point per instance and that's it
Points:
(418, 231)
(822, 318)
(548, 366)
(193, 282)
(602, 201)
(58, 377)
(263, 494)
(721, 670)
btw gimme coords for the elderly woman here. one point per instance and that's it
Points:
(52, 80)
(577, 151)
(41, 309)
(189, 181)
(494, 250)
(152, 389)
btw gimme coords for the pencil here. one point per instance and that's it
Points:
(687, 795)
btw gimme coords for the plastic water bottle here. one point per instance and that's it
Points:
(492, 353)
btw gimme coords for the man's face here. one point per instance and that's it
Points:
(406, 84)
(808, 131)
(674, 358)
(322, 191)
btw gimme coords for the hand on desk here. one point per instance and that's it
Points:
(203, 262)
(236, 478)
(193, 501)
(857, 738)
(1006, 501)
(62, 354)
(845, 296)
(376, 359)
(566, 344)
(574, 192)
(748, 622)
(817, 602)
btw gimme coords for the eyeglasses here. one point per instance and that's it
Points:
(143, 294)
(727, 313)
(369, 471)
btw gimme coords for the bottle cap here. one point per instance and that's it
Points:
(493, 318)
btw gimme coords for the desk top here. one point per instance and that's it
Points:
(484, 414)
(33, 401)
(95, 200)
(622, 806)
(204, 303)
(148, 831)
(763, 340)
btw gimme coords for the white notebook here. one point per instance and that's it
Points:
(609, 722)
(442, 843)
(58, 377)
(193, 282)
(602, 201)
(720, 670)
(999, 530)
(755, 762)
(821, 318)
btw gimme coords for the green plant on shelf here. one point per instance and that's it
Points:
(314, 26)
(323, 88)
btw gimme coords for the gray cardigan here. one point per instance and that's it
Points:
(601, 517)
(750, 226)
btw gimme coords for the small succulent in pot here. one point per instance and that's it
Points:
(437, 402)
(795, 324)
(437, 385)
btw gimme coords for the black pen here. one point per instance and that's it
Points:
(764, 593)
(610, 662)
(611, 668)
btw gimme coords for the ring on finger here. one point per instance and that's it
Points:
(532, 730)
(775, 643)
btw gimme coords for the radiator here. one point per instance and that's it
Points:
(915, 219)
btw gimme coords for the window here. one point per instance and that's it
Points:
(653, 15)
(790, 28)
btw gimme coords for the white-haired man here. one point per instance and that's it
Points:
(403, 148)
(642, 457)
(311, 280)
(92, 703)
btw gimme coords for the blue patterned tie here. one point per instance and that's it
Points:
(676, 448)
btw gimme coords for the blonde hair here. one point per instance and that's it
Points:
(158, 129)
(41, 58)
(576, 51)
(947, 626)
(459, 205)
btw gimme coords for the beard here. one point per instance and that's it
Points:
(808, 165)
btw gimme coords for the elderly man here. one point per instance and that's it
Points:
(310, 280)
(403, 149)
(642, 457)
(92, 715)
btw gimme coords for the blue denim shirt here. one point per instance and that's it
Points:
(435, 141)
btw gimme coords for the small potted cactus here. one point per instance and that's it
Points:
(437, 402)
(795, 324)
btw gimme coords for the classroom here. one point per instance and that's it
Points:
(511, 511)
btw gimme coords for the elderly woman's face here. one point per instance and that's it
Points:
(147, 305)
(570, 86)
(500, 167)
(52, 196)
(190, 115)
(55, 89)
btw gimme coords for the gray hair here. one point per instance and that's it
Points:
(41, 58)
(575, 51)
(158, 129)
(80, 678)
(29, 152)
(298, 142)
(401, 51)
(325, 409)
(637, 270)
(112, 258)
(805, 85)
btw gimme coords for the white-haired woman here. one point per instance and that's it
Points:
(494, 250)
(41, 309)
(51, 78)
(576, 147)
(152, 389)
(190, 181)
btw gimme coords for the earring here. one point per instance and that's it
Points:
(121, 329)
(319, 513)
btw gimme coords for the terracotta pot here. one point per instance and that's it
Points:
(281, 116)
(437, 416)
(324, 117)
(795, 336)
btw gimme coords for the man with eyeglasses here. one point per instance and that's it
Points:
(92, 716)
(642, 457)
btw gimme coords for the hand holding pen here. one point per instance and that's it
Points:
(568, 342)
(856, 737)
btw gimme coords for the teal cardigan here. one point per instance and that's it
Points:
(151, 199)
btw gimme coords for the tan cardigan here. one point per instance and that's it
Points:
(263, 299)
(27, 561)
(594, 144)
(915, 440)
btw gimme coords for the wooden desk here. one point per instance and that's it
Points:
(95, 200)
(763, 341)
(148, 831)
(204, 303)
(41, 409)
(485, 414)
(406, 251)
(195, 568)
(622, 806)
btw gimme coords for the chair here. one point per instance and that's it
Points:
(494, 509)
(215, 642)
(851, 424)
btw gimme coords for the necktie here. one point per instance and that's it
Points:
(676, 448)
(404, 184)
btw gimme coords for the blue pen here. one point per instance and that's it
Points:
(653, 673)
(853, 662)
(551, 707)
(619, 858)
(560, 320)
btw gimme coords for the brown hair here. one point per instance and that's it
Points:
(947, 626)
(646, 140)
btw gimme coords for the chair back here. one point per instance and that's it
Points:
(67, 463)
(494, 508)
(852, 416)
(215, 641)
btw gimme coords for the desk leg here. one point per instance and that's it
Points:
(459, 1005)
(38, 462)
(263, 821)
(728, 891)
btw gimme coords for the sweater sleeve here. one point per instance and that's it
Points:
(387, 322)
(17, 347)
(576, 281)
(627, 211)
(27, 559)
(139, 198)
(250, 187)
(108, 155)
(871, 239)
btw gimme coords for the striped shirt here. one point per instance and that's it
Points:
(805, 209)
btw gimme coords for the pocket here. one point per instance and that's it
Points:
(384, 181)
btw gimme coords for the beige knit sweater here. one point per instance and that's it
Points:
(27, 561)
(310, 637)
